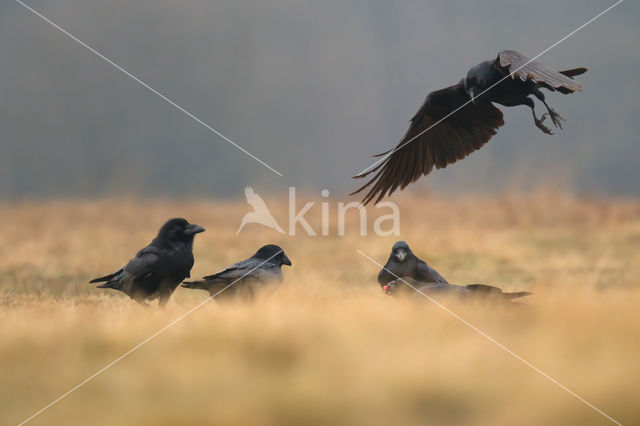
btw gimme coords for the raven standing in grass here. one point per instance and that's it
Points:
(455, 121)
(248, 277)
(405, 270)
(158, 268)
(403, 263)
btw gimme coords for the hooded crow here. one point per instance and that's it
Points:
(158, 268)
(247, 277)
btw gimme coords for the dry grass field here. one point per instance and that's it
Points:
(329, 347)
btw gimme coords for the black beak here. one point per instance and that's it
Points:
(285, 260)
(193, 229)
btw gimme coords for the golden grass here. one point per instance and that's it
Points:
(329, 347)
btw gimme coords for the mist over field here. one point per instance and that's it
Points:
(311, 88)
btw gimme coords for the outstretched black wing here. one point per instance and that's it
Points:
(428, 142)
(518, 65)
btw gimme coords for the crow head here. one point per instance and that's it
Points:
(471, 85)
(401, 252)
(477, 80)
(274, 254)
(178, 229)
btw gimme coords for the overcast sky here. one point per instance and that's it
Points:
(311, 88)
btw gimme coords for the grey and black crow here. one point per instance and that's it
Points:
(248, 277)
(405, 270)
(403, 263)
(462, 131)
(158, 268)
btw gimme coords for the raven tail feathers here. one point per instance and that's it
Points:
(111, 284)
(573, 72)
(194, 285)
(102, 279)
(515, 295)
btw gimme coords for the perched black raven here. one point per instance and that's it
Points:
(426, 144)
(158, 268)
(404, 267)
(247, 277)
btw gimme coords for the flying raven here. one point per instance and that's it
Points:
(247, 277)
(405, 270)
(158, 268)
(455, 121)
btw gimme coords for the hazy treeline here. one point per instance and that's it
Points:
(312, 88)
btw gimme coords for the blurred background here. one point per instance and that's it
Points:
(92, 163)
(311, 88)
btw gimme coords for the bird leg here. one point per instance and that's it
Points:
(164, 298)
(540, 122)
(529, 102)
(389, 288)
(555, 117)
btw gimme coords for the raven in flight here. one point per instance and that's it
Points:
(158, 268)
(246, 277)
(455, 121)
(404, 267)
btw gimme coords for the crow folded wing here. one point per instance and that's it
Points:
(237, 270)
(518, 65)
(427, 274)
(143, 265)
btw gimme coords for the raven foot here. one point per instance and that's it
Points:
(389, 288)
(555, 118)
(540, 124)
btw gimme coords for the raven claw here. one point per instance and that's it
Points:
(540, 124)
(556, 118)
